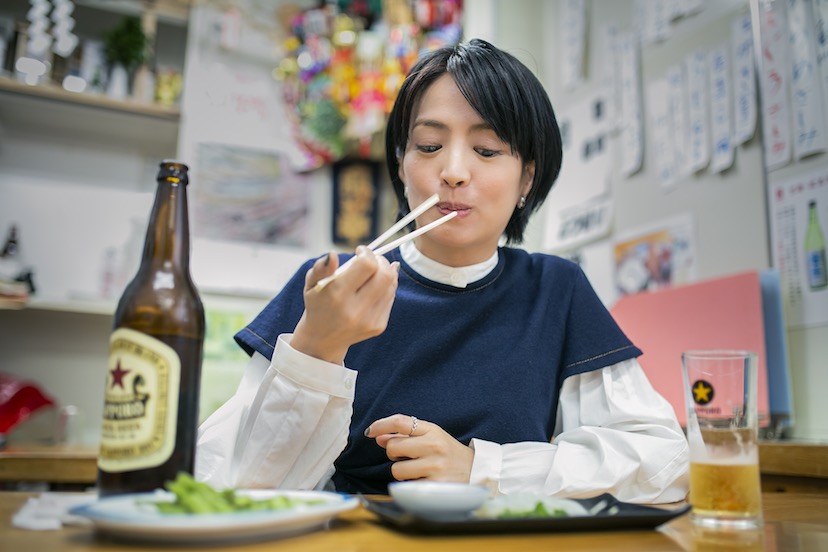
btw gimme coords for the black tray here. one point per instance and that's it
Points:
(613, 516)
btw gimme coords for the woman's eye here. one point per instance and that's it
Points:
(427, 149)
(487, 152)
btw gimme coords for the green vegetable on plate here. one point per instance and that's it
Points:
(196, 497)
(539, 511)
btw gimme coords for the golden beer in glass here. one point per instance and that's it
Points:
(722, 430)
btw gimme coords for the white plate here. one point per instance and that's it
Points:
(129, 516)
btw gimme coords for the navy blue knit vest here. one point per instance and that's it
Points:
(486, 361)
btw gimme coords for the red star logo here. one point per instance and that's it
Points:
(118, 375)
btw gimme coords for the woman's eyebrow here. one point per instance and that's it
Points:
(434, 123)
(431, 123)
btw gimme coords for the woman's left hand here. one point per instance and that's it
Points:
(421, 450)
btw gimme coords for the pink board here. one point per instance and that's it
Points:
(723, 313)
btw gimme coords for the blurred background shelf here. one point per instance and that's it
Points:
(93, 120)
(145, 128)
(174, 12)
(9, 86)
(102, 307)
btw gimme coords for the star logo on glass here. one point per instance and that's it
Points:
(702, 392)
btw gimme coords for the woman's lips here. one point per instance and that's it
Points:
(460, 209)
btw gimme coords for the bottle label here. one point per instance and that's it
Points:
(140, 402)
(817, 276)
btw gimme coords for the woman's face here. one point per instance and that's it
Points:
(451, 151)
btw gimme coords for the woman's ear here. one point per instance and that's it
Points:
(528, 179)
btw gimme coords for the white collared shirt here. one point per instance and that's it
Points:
(449, 275)
(289, 418)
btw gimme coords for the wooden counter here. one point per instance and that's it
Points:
(794, 467)
(792, 522)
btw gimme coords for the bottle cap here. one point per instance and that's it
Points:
(172, 169)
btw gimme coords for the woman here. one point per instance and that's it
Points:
(452, 358)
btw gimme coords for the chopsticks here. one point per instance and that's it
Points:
(402, 223)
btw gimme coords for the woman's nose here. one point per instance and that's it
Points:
(455, 171)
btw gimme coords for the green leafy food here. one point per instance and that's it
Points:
(195, 497)
(529, 506)
(539, 511)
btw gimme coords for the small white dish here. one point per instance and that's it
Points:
(435, 498)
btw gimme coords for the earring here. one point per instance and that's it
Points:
(405, 192)
(522, 202)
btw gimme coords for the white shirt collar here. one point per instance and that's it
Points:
(449, 275)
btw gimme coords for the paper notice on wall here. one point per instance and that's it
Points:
(698, 125)
(652, 20)
(632, 135)
(579, 224)
(808, 116)
(744, 80)
(798, 210)
(577, 209)
(573, 42)
(774, 80)
(662, 130)
(821, 19)
(720, 110)
(611, 73)
(679, 132)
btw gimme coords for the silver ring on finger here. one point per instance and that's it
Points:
(413, 425)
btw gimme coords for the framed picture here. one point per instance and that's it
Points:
(250, 196)
(355, 202)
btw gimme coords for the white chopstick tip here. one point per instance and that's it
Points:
(403, 222)
(418, 232)
(423, 207)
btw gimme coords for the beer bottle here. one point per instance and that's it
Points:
(155, 351)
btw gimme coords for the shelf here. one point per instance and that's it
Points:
(106, 307)
(80, 306)
(98, 101)
(63, 115)
(171, 11)
(51, 463)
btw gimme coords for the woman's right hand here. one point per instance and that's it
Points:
(352, 308)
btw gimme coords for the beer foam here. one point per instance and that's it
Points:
(725, 456)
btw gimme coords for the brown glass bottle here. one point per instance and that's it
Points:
(154, 372)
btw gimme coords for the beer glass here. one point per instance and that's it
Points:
(722, 431)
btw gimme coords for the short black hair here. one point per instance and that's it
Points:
(506, 94)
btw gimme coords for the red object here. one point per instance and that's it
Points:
(19, 399)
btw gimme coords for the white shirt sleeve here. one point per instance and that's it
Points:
(615, 434)
(284, 426)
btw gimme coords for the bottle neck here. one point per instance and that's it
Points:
(168, 238)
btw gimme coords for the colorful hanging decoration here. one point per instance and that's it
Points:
(344, 63)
